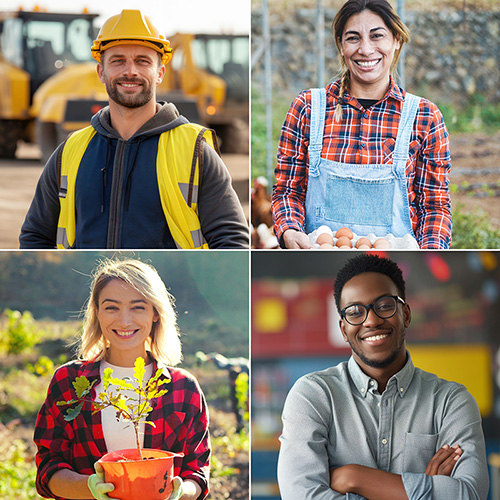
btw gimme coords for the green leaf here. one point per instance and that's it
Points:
(72, 413)
(140, 370)
(106, 378)
(150, 423)
(122, 383)
(157, 394)
(64, 403)
(154, 378)
(82, 386)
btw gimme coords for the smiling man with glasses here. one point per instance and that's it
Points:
(376, 427)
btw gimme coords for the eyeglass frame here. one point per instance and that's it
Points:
(371, 306)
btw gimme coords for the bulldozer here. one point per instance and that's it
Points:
(50, 86)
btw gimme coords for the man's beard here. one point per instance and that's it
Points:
(131, 100)
(384, 362)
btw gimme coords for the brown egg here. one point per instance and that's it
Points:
(344, 241)
(381, 243)
(344, 231)
(363, 247)
(326, 246)
(324, 238)
(345, 247)
(363, 242)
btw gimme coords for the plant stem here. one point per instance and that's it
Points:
(136, 429)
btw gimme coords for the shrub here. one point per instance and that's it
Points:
(473, 230)
(19, 334)
(17, 471)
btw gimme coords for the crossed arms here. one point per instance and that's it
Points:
(327, 450)
(380, 485)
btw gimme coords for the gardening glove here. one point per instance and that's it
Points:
(176, 488)
(96, 484)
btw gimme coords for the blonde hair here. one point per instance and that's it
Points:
(391, 19)
(163, 342)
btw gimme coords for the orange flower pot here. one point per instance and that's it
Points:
(137, 479)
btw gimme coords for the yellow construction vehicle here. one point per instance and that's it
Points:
(49, 84)
(200, 62)
(34, 46)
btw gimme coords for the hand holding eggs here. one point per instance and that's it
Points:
(344, 238)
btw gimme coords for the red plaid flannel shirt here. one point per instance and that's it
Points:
(368, 136)
(181, 419)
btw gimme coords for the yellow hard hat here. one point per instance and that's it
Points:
(130, 27)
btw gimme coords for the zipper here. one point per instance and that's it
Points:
(115, 199)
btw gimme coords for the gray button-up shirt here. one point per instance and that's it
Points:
(337, 417)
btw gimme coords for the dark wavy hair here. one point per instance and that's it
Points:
(368, 263)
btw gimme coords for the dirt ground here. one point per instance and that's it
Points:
(18, 179)
(227, 487)
(476, 172)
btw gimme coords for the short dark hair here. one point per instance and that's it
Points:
(368, 263)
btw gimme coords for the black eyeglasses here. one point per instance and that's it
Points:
(384, 307)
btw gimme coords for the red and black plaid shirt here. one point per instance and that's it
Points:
(368, 136)
(181, 419)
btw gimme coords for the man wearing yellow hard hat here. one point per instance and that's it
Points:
(140, 176)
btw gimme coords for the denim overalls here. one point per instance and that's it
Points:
(367, 198)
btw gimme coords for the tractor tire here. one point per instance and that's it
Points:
(10, 133)
(46, 138)
(233, 137)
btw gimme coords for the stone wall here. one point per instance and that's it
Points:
(452, 56)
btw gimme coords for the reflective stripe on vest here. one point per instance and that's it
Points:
(178, 172)
(181, 210)
(72, 155)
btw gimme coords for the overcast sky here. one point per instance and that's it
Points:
(170, 16)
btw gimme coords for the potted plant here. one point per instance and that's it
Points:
(135, 473)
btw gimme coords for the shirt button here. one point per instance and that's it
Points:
(363, 389)
(372, 382)
(362, 144)
(402, 390)
(384, 441)
(365, 115)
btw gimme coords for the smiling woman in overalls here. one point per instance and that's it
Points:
(363, 153)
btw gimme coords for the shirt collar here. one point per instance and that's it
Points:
(364, 383)
(394, 91)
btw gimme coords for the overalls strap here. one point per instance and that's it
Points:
(318, 112)
(402, 146)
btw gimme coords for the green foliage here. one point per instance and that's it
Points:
(17, 471)
(19, 333)
(135, 407)
(242, 394)
(473, 230)
(230, 445)
(475, 115)
(23, 403)
(280, 106)
(43, 366)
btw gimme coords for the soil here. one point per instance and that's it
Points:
(227, 487)
(231, 486)
(475, 161)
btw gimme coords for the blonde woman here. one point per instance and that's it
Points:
(129, 314)
(363, 153)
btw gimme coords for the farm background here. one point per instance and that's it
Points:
(452, 59)
(41, 294)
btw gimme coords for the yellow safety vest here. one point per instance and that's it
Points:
(178, 171)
